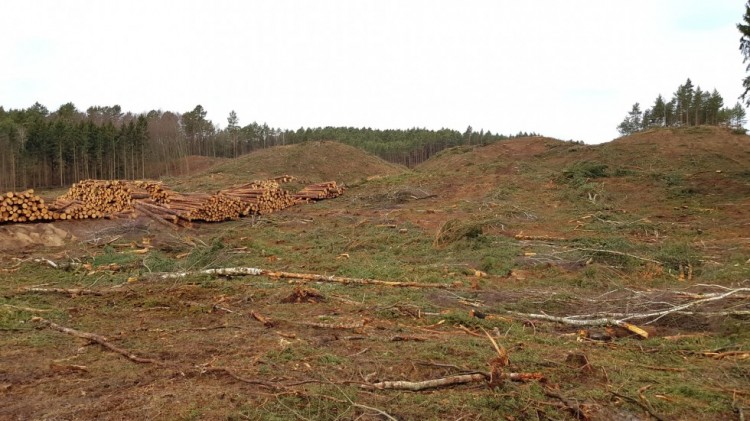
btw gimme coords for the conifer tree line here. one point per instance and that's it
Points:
(689, 106)
(39, 148)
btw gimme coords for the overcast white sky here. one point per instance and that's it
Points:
(566, 69)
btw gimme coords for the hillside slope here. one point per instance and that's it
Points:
(691, 183)
(309, 162)
(522, 249)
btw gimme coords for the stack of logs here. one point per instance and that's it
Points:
(154, 190)
(23, 207)
(262, 197)
(111, 198)
(94, 199)
(318, 191)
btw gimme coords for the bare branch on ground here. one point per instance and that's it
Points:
(101, 340)
(305, 277)
(449, 381)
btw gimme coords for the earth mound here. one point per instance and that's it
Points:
(308, 162)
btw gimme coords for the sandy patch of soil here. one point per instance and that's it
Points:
(20, 236)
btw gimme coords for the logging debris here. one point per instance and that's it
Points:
(449, 381)
(267, 322)
(304, 295)
(92, 199)
(302, 277)
(101, 340)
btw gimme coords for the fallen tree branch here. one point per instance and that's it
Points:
(305, 277)
(356, 324)
(722, 355)
(469, 331)
(379, 411)
(618, 253)
(46, 261)
(226, 371)
(449, 381)
(267, 322)
(386, 415)
(640, 404)
(428, 384)
(574, 408)
(27, 309)
(407, 338)
(73, 292)
(604, 321)
(682, 307)
(620, 319)
(96, 339)
(522, 236)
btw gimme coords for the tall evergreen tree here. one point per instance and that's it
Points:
(744, 28)
(233, 129)
(670, 113)
(632, 122)
(658, 112)
(683, 100)
(737, 116)
(713, 105)
(696, 106)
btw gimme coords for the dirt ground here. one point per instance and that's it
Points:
(16, 237)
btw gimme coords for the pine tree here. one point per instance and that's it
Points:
(683, 99)
(233, 129)
(658, 112)
(744, 28)
(713, 105)
(670, 113)
(737, 116)
(467, 135)
(632, 122)
(696, 106)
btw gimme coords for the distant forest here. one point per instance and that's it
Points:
(39, 148)
(689, 106)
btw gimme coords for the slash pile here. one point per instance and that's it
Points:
(112, 198)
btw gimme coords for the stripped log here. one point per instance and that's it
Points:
(304, 277)
(450, 381)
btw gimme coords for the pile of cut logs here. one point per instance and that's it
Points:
(94, 199)
(23, 207)
(261, 197)
(112, 198)
(146, 189)
(318, 191)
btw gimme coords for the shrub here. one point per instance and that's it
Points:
(584, 170)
